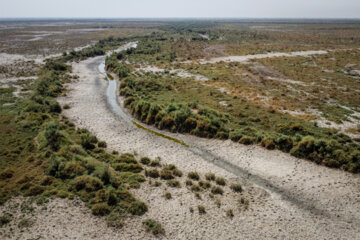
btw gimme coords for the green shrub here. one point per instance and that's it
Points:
(154, 173)
(173, 183)
(201, 209)
(220, 181)
(155, 163)
(145, 160)
(193, 176)
(127, 158)
(88, 141)
(167, 195)
(210, 177)
(166, 174)
(204, 184)
(7, 173)
(189, 183)
(230, 213)
(177, 173)
(153, 227)
(195, 188)
(128, 167)
(115, 221)
(102, 144)
(268, 143)
(89, 183)
(138, 208)
(100, 209)
(304, 148)
(236, 187)
(35, 190)
(66, 106)
(198, 196)
(218, 202)
(217, 190)
(4, 220)
(247, 140)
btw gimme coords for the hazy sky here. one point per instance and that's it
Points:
(180, 8)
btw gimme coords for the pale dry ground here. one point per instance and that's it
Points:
(306, 201)
(246, 58)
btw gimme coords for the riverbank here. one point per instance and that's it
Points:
(270, 216)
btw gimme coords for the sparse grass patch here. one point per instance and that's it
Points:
(153, 173)
(195, 188)
(167, 195)
(194, 176)
(217, 190)
(230, 213)
(166, 174)
(220, 181)
(173, 183)
(236, 187)
(189, 183)
(201, 210)
(145, 160)
(210, 176)
(4, 220)
(153, 227)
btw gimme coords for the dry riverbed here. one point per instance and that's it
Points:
(291, 198)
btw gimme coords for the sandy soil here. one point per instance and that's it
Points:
(179, 72)
(293, 198)
(260, 56)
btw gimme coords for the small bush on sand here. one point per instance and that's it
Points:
(166, 174)
(189, 183)
(4, 220)
(100, 209)
(138, 208)
(198, 196)
(204, 184)
(218, 202)
(195, 188)
(193, 176)
(155, 163)
(230, 213)
(167, 195)
(220, 181)
(145, 160)
(114, 220)
(173, 183)
(201, 210)
(236, 187)
(217, 190)
(210, 176)
(177, 173)
(153, 173)
(66, 106)
(153, 227)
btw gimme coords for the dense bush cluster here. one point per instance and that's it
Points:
(70, 161)
(299, 140)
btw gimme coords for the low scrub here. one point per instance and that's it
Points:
(153, 227)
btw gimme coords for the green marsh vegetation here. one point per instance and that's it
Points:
(184, 105)
(43, 155)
